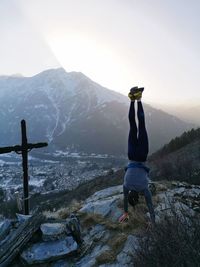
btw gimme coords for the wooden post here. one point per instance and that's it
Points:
(25, 167)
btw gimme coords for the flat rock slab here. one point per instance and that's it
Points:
(53, 231)
(90, 259)
(49, 251)
(21, 217)
(105, 207)
(193, 193)
(5, 227)
(105, 203)
(105, 193)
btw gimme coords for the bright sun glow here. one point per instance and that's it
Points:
(77, 52)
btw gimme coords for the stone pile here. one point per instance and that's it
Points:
(53, 240)
(57, 242)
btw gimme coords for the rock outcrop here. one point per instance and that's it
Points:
(105, 242)
(104, 203)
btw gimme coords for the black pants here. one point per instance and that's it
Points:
(138, 145)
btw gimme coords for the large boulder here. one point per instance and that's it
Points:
(49, 251)
(105, 203)
(108, 192)
(53, 231)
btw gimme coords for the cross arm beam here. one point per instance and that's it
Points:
(17, 148)
(38, 145)
(9, 149)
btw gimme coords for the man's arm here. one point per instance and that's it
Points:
(125, 216)
(148, 198)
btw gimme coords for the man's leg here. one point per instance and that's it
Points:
(132, 138)
(143, 142)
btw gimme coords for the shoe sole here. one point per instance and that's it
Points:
(135, 90)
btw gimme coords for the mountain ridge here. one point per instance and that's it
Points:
(75, 114)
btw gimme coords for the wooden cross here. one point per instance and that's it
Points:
(23, 149)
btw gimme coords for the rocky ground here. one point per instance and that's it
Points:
(106, 243)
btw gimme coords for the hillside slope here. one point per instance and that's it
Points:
(179, 160)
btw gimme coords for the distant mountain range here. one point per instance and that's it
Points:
(188, 112)
(75, 114)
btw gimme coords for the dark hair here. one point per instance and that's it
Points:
(133, 198)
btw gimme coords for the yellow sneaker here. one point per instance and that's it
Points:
(136, 93)
(131, 96)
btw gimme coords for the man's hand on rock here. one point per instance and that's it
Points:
(124, 218)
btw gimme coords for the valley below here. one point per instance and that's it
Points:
(52, 173)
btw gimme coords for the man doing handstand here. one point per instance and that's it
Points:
(136, 176)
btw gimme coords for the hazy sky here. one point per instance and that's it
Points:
(117, 43)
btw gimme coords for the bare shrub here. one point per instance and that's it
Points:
(174, 241)
(117, 242)
(105, 257)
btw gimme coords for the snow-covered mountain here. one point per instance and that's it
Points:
(73, 113)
